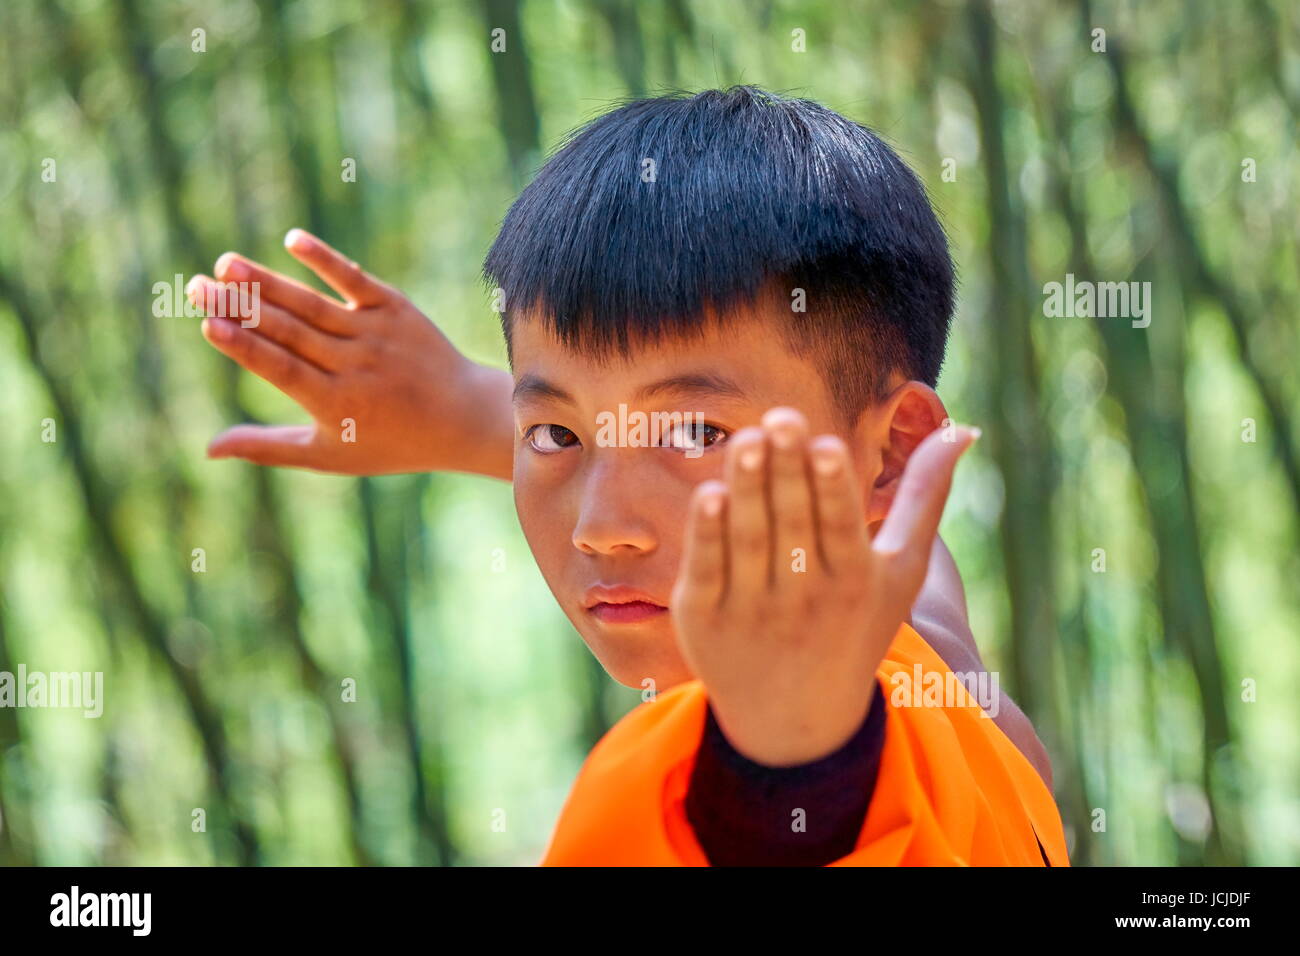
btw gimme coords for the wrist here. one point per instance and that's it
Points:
(481, 439)
(788, 734)
(490, 390)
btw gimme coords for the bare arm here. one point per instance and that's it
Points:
(940, 616)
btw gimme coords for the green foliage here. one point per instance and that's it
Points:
(473, 696)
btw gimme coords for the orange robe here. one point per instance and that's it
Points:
(952, 789)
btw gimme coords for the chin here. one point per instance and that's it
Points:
(637, 654)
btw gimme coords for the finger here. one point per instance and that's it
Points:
(841, 519)
(290, 294)
(286, 445)
(321, 349)
(337, 271)
(748, 542)
(913, 520)
(704, 562)
(789, 493)
(296, 377)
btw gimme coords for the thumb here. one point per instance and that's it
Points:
(909, 529)
(286, 445)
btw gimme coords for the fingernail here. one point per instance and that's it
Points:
(826, 464)
(975, 433)
(229, 267)
(295, 239)
(751, 458)
(712, 505)
(783, 438)
(192, 285)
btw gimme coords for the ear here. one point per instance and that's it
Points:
(911, 411)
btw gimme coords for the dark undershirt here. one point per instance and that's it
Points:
(743, 813)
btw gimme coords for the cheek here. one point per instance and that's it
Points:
(544, 513)
(671, 503)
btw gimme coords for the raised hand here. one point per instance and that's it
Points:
(386, 391)
(788, 657)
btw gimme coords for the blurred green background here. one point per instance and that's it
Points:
(1164, 687)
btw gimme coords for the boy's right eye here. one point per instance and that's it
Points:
(549, 439)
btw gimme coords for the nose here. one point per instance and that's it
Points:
(614, 517)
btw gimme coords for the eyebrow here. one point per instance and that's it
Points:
(696, 384)
(693, 384)
(534, 387)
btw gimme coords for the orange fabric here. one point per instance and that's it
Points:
(952, 789)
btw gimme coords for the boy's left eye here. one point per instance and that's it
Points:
(549, 439)
(694, 435)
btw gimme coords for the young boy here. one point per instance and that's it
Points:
(766, 281)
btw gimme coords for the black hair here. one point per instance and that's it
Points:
(667, 209)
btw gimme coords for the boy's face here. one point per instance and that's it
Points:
(606, 522)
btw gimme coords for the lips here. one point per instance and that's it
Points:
(622, 604)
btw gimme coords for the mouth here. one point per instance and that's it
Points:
(621, 604)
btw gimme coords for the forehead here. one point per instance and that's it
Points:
(743, 360)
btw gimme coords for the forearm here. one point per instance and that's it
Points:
(943, 597)
(940, 617)
(488, 422)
